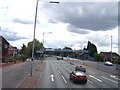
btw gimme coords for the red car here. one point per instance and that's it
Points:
(78, 76)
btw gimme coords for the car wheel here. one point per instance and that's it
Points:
(85, 82)
(70, 77)
(74, 81)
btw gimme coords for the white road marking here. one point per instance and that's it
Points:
(59, 71)
(113, 76)
(90, 82)
(95, 78)
(64, 79)
(109, 79)
(41, 75)
(56, 68)
(52, 77)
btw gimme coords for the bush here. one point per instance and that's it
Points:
(22, 58)
(10, 60)
(118, 60)
(98, 57)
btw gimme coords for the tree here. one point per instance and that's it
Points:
(23, 50)
(98, 57)
(37, 46)
(84, 48)
(67, 48)
(67, 53)
(23, 53)
(118, 61)
(57, 52)
(92, 49)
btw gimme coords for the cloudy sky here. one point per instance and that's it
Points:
(71, 23)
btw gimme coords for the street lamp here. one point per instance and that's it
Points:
(111, 45)
(35, 30)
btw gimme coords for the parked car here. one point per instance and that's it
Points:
(108, 63)
(78, 76)
(80, 68)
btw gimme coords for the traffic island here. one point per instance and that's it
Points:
(32, 81)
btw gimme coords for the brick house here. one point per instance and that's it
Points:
(107, 56)
(4, 46)
(12, 50)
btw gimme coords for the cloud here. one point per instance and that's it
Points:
(77, 30)
(11, 36)
(52, 21)
(22, 21)
(96, 16)
(102, 41)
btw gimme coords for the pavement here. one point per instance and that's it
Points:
(9, 64)
(28, 81)
(32, 81)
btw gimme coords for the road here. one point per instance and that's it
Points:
(13, 75)
(56, 75)
(97, 65)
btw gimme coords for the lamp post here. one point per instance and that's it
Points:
(35, 30)
(111, 46)
(34, 35)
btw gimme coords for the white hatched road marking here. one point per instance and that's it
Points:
(90, 82)
(95, 78)
(109, 79)
(56, 68)
(59, 71)
(115, 77)
(64, 79)
(41, 75)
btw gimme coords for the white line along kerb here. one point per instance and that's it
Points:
(115, 77)
(52, 77)
(109, 79)
(90, 81)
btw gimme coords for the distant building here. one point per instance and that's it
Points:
(12, 50)
(107, 56)
(4, 46)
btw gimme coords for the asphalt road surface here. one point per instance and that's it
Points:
(13, 75)
(56, 75)
(98, 65)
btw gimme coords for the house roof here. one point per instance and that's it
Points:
(2, 38)
(109, 53)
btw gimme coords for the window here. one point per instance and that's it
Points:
(6, 46)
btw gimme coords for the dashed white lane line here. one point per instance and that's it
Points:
(59, 71)
(64, 79)
(109, 79)
(95, 78)
(90, 82)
